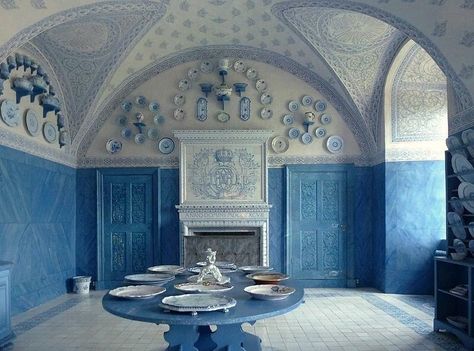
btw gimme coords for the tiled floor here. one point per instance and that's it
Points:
(331, 319)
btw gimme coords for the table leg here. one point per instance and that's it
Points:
(231, 337)
(182, 337)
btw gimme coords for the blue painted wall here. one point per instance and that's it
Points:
(378, 226)
(37, 226)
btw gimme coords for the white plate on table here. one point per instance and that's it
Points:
(149, 277)
(203, 287)
(137, 292)
(194, 278)
(198, 303)
(167, 268)
(269, 291)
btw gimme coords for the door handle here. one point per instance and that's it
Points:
(343, 227)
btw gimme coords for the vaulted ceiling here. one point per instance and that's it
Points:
(95, 47)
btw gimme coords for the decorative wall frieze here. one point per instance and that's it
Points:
(406, 155)
(461, 121)
(132, 161)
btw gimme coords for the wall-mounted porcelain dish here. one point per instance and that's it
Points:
(166, 145)
(267, 277)
(293, 133)
(179, 114)
(50, 133)
(455, 146)
(456, 205)
(320, 132)
(459, 246)
(269, 291)
(206, 67)
(223, 117)
(184, 84)
(153, 134)
(456, 224)
(306, 138)
(266, 99)
(193, 73)
(139, 138)
(306, 100)
(335, 144)
(140, 101)
(179, 100)
(126, 133)
(261, 85)
(280, 144)
(239, 66)
(126, 106)
(122, 120)
(10, 113)
(203, 288)
(137, 292)
(266, 113)
(325, 118)
(251, 73)
(195, 303)
(287, 119)
(158, 119)
(463, 168)
(154, 106)
(467, 137)
(293, 105)
(320, 105)
(113, 146)
(31, 122)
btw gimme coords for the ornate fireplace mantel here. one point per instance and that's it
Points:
(223, 188)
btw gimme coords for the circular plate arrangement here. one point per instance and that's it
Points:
(457, 225)
(140, 101)
(320, 105)
(50, 133)
(320, 132)
(461, 165)
(287, 120)
(126, 106)
(335, 144)
(306, 100)
(254, 269)
(293, 105)
(203, 288)
(154, 106)
(195, 303)
(31, 122)
(266, 99)
(239, 66)
(251, 73)
(140, 138)
(167, 268)
(179, 114)
(261, 85)
(193, 73)
(137, 292)
(153, 133)
(466, 192)
(166, 145)
(126, 133)
(325, 118)
(293, 133)
(194, 278)
(267, 277)
(306, 138)
(456, 205)
(266, 113)
(184, 84)
(280, 144)
(206, 67)
(179, 100)
(122, 120)
(269, 291)
(113, 146)
(10, 113)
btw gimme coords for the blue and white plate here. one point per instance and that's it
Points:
(158, 119)
(293, 133)
(153, 133)
(456, 205)
(457, 225)
(140, 138)
(266, 99)
(320, 105)
(306, 100)
(320, 132)
(266, 113)
(10, 113)
(179, 114)
(179, 100)
(459, 246)
(126, 133)
(306, 138)
(140, 101)
(251, 73)
(49, 132)
(325, 118)
(207, 67)
(166, 145)
(154, 106)
(288, 119)
(184, 84)
(466, 193)
(31, 122)
(335, 144)
(261, 85)
(113, 146)
(126, 106)
(293, 105)
(193, 73)
(122, 120)
(239, 66)
(223, 117)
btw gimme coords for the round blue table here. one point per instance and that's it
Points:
(193, 333)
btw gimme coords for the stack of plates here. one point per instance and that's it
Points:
(148, 279)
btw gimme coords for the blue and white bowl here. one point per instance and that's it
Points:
(113, 146)
(320, 105)
(126, 106)
(154, 106)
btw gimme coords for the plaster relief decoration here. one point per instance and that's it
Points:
(223, 190)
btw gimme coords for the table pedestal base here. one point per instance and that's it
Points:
(227, 337)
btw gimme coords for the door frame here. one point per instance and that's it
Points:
(100, 175)
(349, 171)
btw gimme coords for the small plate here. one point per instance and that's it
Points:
(466, 192)
(457, 225)
(31, 122)
(179, 100)
(320, 132)
(456, 205)
(254, 269)
(461, 165)
(239, 66)
(126, 106)
(158, 119)
(203, 287)
(261, 85)
(293, 133)
(251, 73)
(126, 133)
(206, 67)
(113, 146)
(320, 105)
(266, 99)
(280, 144)
(325, 118)
(122, 120)
(137, 292)
(266, 113)
(288, 120)
(193, 73)
(223, 117)
(306, 100)
(149, 277)
(293, 105)
(50, 133)
(10, 113)
(140, 138)
(267, 277)
(154, 106)
(335, 144)
(269, 291)
(140, 101)
(167, 268)
(166, 145)
(179, 114)
(184, 84)
(306, 138)
(153, 133)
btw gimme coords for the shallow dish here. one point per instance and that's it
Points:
(335, 144)
(251, 73)
(149, 277)
(455, 146)
(136, 292)
(166, 145)
(306, 100)
(254, 269)
(203, 287)
(320, 132)
(266, 113)
(261, 85)
(459, 246)
(293, 133)
(266, 99)
(293, 105)
(10, 113)
(198, 303)
(113, 146)
(269, 291)
(239, 66)
(287, 120)
(319, 105)
(280, 144)
(306, 138)
(267, 277)
(167, 268)
(193, 73)
(31, 122)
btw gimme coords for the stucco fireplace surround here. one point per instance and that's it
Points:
(224, 195)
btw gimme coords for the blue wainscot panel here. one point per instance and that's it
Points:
(277, 198)
(169, 219)
(378, 219)
(37, 226)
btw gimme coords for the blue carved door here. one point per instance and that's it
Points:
(128, 223)
(317, 222)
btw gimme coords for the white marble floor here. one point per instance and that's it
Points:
(330, 320)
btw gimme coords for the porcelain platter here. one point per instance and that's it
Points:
(269, 291)
(167, 268)
(137, 292)
(198, 303)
